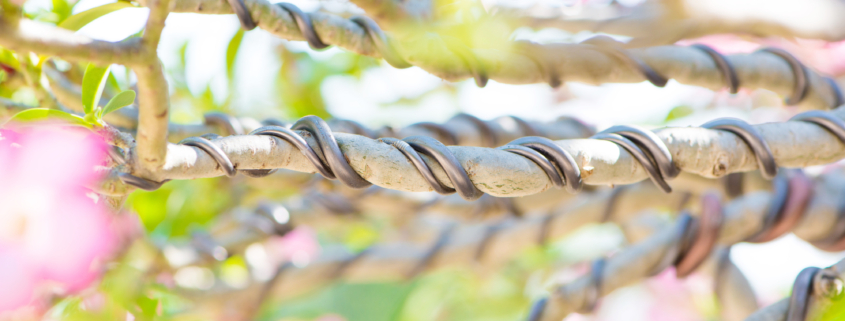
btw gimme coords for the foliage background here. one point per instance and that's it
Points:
(213, 66)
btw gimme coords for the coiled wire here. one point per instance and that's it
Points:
(648, 149)
(559, 166)
(479, 72)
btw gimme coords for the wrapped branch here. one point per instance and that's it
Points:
(813, 292)
(593, 62)
(498, 172)
(795, 205)
(665, 22)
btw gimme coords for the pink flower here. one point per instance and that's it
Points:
(299, 246)
(53, 236)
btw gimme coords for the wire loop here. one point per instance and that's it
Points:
(567, 172)
(706, 229)
(725, 67)
(752, 138)
(802, 80)
(613, 48)
(456, 173)
(640, 156)
(802, 291)
(381, 41)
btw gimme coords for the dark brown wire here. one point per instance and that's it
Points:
(725, 67)
(610, 47)
(706, 229)
(752, 138)
(802, 80)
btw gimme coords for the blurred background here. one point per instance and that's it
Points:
(211, 65)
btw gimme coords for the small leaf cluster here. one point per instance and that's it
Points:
(93, 83)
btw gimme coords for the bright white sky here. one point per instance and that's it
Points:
(771, 267)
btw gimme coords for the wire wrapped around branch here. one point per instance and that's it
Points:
(813, 291)
(710, 153)
(600, 60)
(796, 204)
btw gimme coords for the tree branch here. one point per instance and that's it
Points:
(743, 218)
(154, 102)
(705, 152)
(576, 62)
(665, 22)
(31, 36)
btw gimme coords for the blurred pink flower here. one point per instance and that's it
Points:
(825, 57)
(52, 234)
(673, 301)
(299, 246)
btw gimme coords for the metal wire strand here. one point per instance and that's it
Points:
(792, 192)
(802, 291)
(418, 162)
(838, 100)
(306, 27)
(727, 69)
(706, 231)
(526, 48)
(826, 120)
(752, 138)
(611, 47)
(243, 14)
(473, 64)
(594, 291)
(558, 164)
(799, 71)
(214, 151)
(331, 151)
(654, 147)
(456, 173)
(228, 122)
(488, 136)
(640, 156)
(382, 42)
(477, 68)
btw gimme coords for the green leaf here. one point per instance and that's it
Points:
(93, 83)
(44, 114)
(62, 9)
(232, 52)
(123, 99)
(79, 20)
(8, 58)
(679, 112)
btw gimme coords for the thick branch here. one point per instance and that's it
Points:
(744, 217)
(709, 153)
(575, 62)
(664, 22)
(31, 36)
(154, 101)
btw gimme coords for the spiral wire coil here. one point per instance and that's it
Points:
(601, 43)
(560, 167)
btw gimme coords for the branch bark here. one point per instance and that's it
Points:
(576, 62)
(705, 152)
(743, 218)
(665, 22)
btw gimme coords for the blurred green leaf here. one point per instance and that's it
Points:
(836, 311)
(44, 114)
(62, 9)
(93, 83)
(123, 99)
(232, 52)
(171, 210)
(679, 112)
(79, 20)
(8, 58)
(353, 301)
